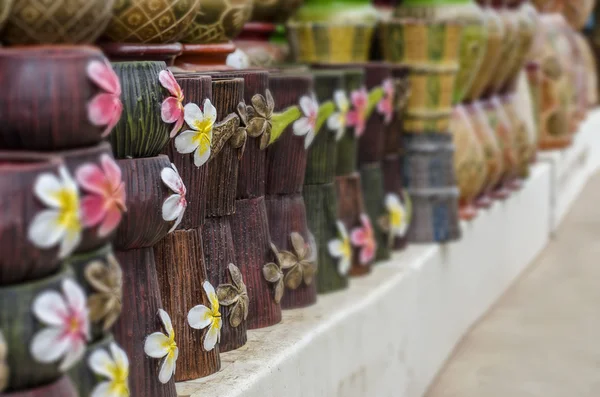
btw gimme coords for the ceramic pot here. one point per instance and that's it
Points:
(21, 260)
(277, 11)
(590, 73)
(372, 181)
(56, 22)
(53, 85)
(143, 224)
(510, 51)
(62, 388)
(577, 12)
(140, 131)
(259, 46)
(148, 21)
(20, 326)
(435, 216)
(86, 380)
(218, 21)
(524, 144)
(428, 161)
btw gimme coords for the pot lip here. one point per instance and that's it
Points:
(64, 272)
(132, 49)
(156, 159)
(227, 80)
(61, 51)
(225, 73)
(342, 24)
(77, 152)
(37, 161)
(105, 250)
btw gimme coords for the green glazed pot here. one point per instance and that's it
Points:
(337, 11)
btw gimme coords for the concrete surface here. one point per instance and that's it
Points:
(542, 338)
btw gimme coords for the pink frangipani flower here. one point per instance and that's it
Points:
(105, 202)
(364, 238)
(105, 108)
(172, 107)
(174, 206)
(307, 125)
(357, 117)
(386, 105)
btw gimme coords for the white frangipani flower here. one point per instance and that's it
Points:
(306, 126)
(199, 137)
(341, 249)
(114, 367)
(397, 214)
(174, 206)
(159, 345)
(201, 317)
(337, 121)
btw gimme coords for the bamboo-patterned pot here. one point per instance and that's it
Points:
(61, 388)
(395, 130)
(141, 131)
(20, 326)
(21, 260)
(56, 22)
(48, 95)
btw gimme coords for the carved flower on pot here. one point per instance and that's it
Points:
(174, 206)
(398, 216)
(306, 125)
(105, 302)
(60, 223)
(341, 249)
(159, 345)
(385, 106)
(68, 327)
(273, 273)
(357, 117)
(234, 295)
(105, 108)
(105, 202)
(259, 118)
(3, 366)
(338, 120)
(300, 264)
(200, 317)
(172, 110)
(364, 238)
(198, 138)
(113, 368)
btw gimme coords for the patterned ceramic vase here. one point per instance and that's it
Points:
(274, 11)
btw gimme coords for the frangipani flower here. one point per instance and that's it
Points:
(306, 125)
(61, 222)
(159, 345)
(201, 317)
(172, 110)
(357, 117)
(337, 121)
(300, 264)
(174, 206)
(364, 238)
(105, 108)
(235, 295)
(105, 302)
(198, 139)
(273, 273)
(4, 373)
(386, 105)
(68, 326)
(341, 249)
(397, 215)
(106, 201)
(113, 366)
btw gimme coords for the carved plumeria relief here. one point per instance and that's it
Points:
(174, 206)
(259, 116)
(104, 109)
(67, 326)
(234, 295)
(172, 109)
(273, 273)
(163, 346)
(201, 317)
(395, 223)
(357, 116)
(112, 367)
(4, 372)
(299, 265)
(198, 139)
(341, 249)
(338, 120)
(228, 131)
(363, 238)
(385, 106)
(105, 301)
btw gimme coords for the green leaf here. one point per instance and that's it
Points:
(325, 110)
(375, 96)
(280, 121)
(407, 206)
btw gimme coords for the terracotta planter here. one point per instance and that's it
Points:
(181, 270)
(20, 326)
(278, 11)
(47, 96)
(21, 260)
(143, 224)
(140, 131)
(62, 388)
(435, 216)
(61, 21)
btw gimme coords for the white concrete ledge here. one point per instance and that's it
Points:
(391, 332)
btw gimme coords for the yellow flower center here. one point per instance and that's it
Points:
(204, 126)
(119, 384)
(69, 209)
(170, 345)
(396, 218)
(346, 248)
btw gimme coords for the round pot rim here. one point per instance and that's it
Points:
(61, 51)
(36, 161)
(63, 272)
(100, 147)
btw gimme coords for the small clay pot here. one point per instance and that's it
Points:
(141, 131)
(56, 22)
(218, 21)
(21, 260)
(62, 388)
(19, 326)
(148, 21)
(278, 11)
(143, 224)
(45, 97)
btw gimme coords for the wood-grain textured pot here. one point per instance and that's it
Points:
(45, 97)
(61, 388)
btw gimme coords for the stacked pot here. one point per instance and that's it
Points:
(63, 200)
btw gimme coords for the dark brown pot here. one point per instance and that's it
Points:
(140, 131)
(62, 388)
(278, 11)
(85, 380)
(286, 157)
(45, 96)
(19, 326)
(133, 52)
(21, 260)
(143, 224)
(181, 272)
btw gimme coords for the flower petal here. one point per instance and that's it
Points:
(166, 321)
(192, 115)
(342, 229)
(202, 154)
(236, 275)
(236, 315)
(172, 207)
(156, 345)
(168, 81)
(46, 188)
(93, 210)
(45, 230)
(307, 105)
(103, 109)
(170, 110)
(186, 142)
(199, 317)
(310, 136)
(301, 126)
(228, 294)
(211, 294)
(48, 345)
(271, 272)
(367, 254)
(308, 272)
(287, 259)
(392, 202)
(167, 369)
(358, 237)
(102, 74)
(119, 356)
(210, 111)
(344, 266)
(299, 244)
(70, 241)
(111, 170)
(110, 223)
(91, 178)
(178, 220)
(212, 335)
(75, 295)
(293, 278)
(73, 356)
(336, 248)
(279, 289)
(177, 127)
(103, 389)
(102, 364)
(341, 100)
(50, 308)
(171, 178)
